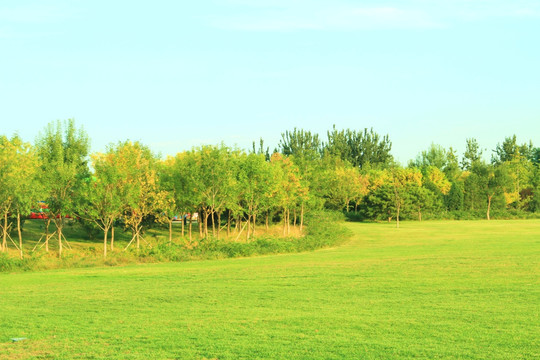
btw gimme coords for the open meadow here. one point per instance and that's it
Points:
(441, 289)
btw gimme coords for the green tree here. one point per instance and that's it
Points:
(473, 154)
(379, 203)
(301, 143)
(62, 150)
(452, 170)
(535, 156)
(492, 180)
(102, 197)
(455, 197)
(520, 169)
(473, 190)
(255, 187)
(215, 180)
(509, 149)
(401, 179)
(183, 179)
(419, 199)
(18, 186)
(534, 204)
(345, 185)
(289, 187)
(171, 204)
(140, 193)
(435, 156)
(363, 149)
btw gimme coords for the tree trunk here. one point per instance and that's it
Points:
(248, 228)
(229, 223)
(284, 222)
(489, 207)
(397, 216)
(20, 235)
(206, 223)
(47, 235)
(267, 216)
(105, 233)
(294, 217)
(302, 217)
(254, 223)
(112, 236)
(190, 226)
(213, 214)
(218, 224)
(419, 215)
(138, 237)
(183, 225)
(200, 222)
(170, 231)
(59, 228)
(288, 222)
(4, 235)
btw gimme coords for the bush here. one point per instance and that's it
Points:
(323, 229)
(15, 264)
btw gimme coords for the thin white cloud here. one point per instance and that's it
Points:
(27, 21)
(527, 12)
(35, 14)
(280, 15)
(327, 17)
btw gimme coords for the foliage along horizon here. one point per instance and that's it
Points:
(352, 171)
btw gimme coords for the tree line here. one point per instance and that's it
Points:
(236, 191)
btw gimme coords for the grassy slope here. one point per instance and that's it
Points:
(428, 290)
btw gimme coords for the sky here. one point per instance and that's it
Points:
(178, 74)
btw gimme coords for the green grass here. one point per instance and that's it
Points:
(458, 290)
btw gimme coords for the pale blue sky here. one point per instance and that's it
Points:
(175, 74)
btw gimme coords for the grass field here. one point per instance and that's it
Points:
(463, 290)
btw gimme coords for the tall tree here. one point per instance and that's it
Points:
(455, 199)
(534, 204)
(288, 176)
(139, 189)
(170, 207)
(452, 170)
(102, 197)
(346, 185)
(185, 183)
(62, 150)
(301, 143)
(434, 156)
(400, 179)
(492, 180)
(473, 154)
(420, 198)
(215, 167)
(255, 186)
(18, 185)
(509, 149)
(535, 156)
(363, 149)
(520, 169)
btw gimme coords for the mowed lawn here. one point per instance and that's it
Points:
(456, 290)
